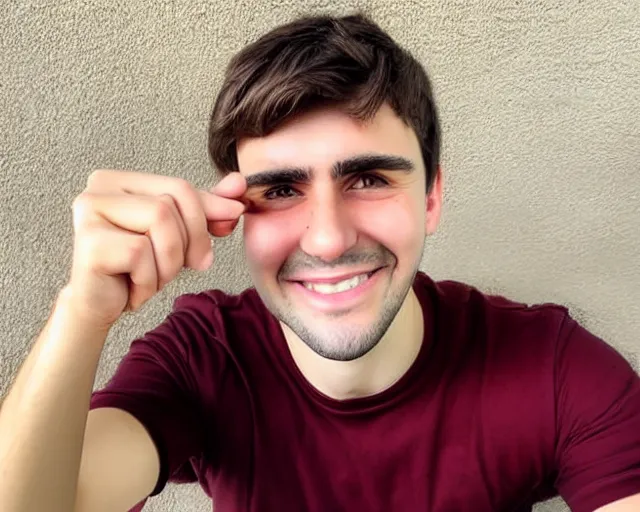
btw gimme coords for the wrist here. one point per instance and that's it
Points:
(70, 311)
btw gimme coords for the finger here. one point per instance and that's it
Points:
(155, 217)
(186, 198)
(218, 208)
(112, 251)
(136, 213)
(232, 186)
(144, 278)
(174, 210)
(222, 228)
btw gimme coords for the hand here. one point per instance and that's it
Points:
(135, 231)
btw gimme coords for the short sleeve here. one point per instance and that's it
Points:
(598, 421)
(155, 383)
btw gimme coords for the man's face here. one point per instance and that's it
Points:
(336, 225)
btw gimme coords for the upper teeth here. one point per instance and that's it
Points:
(340, 286)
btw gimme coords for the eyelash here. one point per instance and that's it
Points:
(271, 194)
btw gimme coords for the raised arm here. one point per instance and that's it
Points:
(134, 232)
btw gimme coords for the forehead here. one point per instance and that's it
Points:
(319, 138)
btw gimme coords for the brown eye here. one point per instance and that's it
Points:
(368, 181)
(282, 192)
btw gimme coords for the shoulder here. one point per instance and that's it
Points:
(494, 319)
(216, 315)
(206, 302)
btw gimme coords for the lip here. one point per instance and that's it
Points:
(331, 279)
(340, 301)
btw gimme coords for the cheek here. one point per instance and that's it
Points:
(269, 238)
(397, 223)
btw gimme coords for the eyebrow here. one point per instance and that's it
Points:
(353, 165)
(279, 176)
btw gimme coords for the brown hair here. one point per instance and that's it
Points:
(321, 60)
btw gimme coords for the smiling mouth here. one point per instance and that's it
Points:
(340, 286)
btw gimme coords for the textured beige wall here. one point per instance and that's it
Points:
(540, 104)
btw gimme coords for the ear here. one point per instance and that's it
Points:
(433, 203)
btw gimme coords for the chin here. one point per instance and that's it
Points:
(343, 337)
(337, 343)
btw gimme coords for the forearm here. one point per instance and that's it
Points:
(42, 419)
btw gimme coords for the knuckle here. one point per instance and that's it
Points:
(183, 187)
(186, 191)
(137, 249)
(95, 177)
(163, 210)
(167, 199)
(82, 209)
(80, 200)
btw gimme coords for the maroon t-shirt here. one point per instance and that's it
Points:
(505, 405)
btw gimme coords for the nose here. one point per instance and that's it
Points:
(329, 232)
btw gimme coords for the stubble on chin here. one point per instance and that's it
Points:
(333, 337)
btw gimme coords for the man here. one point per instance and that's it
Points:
(346, 380)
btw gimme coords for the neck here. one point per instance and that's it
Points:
(372, 373)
